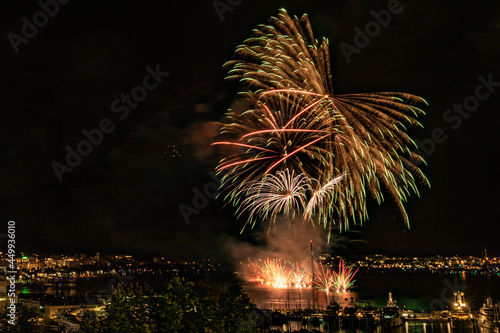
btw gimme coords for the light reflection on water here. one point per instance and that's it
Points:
(415, 291)
(265, 296)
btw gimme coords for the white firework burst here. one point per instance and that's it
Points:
(283, 192)
(319, 195)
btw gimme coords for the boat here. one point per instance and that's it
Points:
(370, 318)
(331, 315)
(488, 317)
(332, 308)
(350, 316)
(460, 314)
(391, 314)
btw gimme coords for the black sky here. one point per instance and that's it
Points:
(124, 196)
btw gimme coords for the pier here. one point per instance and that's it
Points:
(390, 318)
(324, 321)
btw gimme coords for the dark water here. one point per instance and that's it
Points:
(413, 291)
(423, 290)
(418, 291)
(291, 298)
(81, 288)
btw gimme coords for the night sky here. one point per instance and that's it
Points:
(72, 74)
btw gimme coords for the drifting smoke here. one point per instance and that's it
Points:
(288, 243)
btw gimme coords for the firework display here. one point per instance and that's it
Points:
(353, 146)
(324, 277)
(284, 192)
(344, 278)
(279, 273)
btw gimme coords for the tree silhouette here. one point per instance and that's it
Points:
(180, 306)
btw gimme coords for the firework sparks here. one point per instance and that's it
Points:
(299, 277)
(344, 278)
(324, 277)
(278, 273)
(296, 122)
(284, 192)
(281, 132)
(320, 194)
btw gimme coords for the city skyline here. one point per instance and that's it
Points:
(150, 152)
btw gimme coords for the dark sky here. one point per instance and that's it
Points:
(124, 196)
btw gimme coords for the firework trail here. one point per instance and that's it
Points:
(318, 197)
(324, 277)
(298, 123)
(344, 278)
